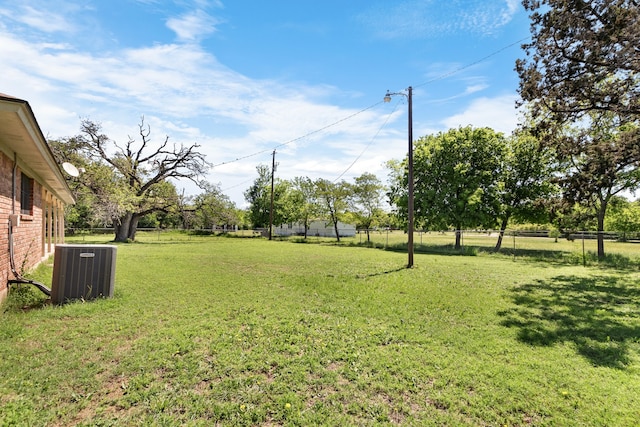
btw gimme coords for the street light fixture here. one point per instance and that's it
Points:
(387, 98)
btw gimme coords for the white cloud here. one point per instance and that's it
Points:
(434, 18)
(44, 20)
(497, 113)
(511, 10)
(184, 92)
(475, 88)
(193, 26)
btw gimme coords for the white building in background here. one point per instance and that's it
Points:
(316, 228)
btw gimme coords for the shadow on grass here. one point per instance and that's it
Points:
(599, 315)
(467, 250)
(382, 273)
(615, 261)
(448, 249)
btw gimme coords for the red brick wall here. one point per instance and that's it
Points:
(6, 166)
(27, 238)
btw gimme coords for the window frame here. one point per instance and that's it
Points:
(26, 194)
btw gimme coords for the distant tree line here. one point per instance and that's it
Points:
(578, 149)
(464, 178)
(129, 186)
(576, 152)
(302, 201)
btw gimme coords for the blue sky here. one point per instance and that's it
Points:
(244, 77)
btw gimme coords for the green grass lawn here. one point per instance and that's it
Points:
(212, 330)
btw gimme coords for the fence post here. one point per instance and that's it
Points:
(584, 259)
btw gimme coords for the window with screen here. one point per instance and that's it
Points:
(26, 195)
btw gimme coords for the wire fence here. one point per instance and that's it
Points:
(578, 246)
(621, 249)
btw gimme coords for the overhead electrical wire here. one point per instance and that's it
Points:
(440, 77)
(236, 185)
(301, 137)
(370, 142)
(471, 64)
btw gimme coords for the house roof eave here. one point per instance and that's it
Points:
(20, 135)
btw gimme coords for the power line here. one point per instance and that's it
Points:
(236, 185)
(440, 77)
(301, 137)
(471, 64)
(370, 143)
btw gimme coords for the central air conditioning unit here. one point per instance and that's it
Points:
(83, 272)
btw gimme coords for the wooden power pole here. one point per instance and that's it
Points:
(273, 173)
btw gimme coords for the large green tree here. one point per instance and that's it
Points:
(457, 175)
(525, 181)
(288, 202)
(306, 202)
(259, 198)
(90, 197)
(397, 189)
(213, 208)
(600, 164)
(132, 180)
(333, 200)
(583, 56)
(623, 217)
(581, 81)
(366, 200)
(285, 200)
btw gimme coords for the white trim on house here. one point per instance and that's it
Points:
(21, 138)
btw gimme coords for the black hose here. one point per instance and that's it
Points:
(18, 276)
(38, 285)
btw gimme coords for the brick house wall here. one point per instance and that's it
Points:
(6, 166)
(41, 225)
(38, 232)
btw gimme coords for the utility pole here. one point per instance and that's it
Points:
(410, 226)
(273, 173)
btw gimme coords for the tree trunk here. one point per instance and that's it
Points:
(601, 212)
(126, 229)
(122, 228)
(335, 226)
(458, 238)
(133, 227)
(368, 237)
(503, 227)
